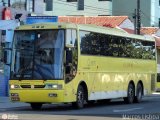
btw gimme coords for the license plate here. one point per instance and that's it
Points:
(15, 98)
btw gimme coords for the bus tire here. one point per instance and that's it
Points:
(139, 93)
(80, 98)
(130, 94)
(36, 106)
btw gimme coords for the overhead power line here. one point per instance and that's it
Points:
(89, 7)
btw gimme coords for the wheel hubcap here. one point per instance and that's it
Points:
(140, 93)
(131, 94)
(80, 98)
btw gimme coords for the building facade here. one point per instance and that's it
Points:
(8, 11)
(18, 7)
(150, 10)
(59, 7)
(77, 7)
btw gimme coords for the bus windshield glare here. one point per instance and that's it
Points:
(38, 55)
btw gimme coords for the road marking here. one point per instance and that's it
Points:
(127, 110)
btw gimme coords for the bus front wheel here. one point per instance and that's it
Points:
(36, 106)
(130, 94)
(80, 98)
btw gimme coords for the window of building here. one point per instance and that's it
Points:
(159, 2)
(71, 0)
(49, 5)
(80, 4)
(19, 4)
(30, 5)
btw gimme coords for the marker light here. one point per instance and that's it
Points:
(14, 86)
(54, 86)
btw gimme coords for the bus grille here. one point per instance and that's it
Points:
(39, 86)
(35, 86)
(25, 86)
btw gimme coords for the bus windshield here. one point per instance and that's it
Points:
(38, 55)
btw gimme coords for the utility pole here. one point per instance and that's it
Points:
(138, 17)
(135, 21)
(9, 3)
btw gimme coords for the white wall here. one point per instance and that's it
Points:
(91, 8)
(156, 12)
(153, 9)
(39, 7)
(127, 24)
(158, 33)
(1, 8)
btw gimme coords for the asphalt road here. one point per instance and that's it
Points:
(149, 109)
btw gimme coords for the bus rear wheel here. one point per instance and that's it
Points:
(139, 93)
(130, 94)
(36, 106)
(80, 99)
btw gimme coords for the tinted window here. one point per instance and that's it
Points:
(109, 45)
(104, 46)
(148, 50)
(89, 43)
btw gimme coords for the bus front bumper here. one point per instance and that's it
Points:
(42, 96)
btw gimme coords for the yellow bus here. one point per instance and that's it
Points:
(78, 64)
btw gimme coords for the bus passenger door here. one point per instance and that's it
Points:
(71, 61)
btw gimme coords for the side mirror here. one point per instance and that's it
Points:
(7, 56)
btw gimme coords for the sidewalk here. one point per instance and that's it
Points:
(6, 103)
(1, 68)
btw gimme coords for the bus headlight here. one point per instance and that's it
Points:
(14, 86)
(54, 86)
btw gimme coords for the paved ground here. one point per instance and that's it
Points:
(116, 110)
(5, 104)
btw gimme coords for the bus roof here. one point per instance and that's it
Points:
(85, 27)
(48, 25)
(113, 31)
